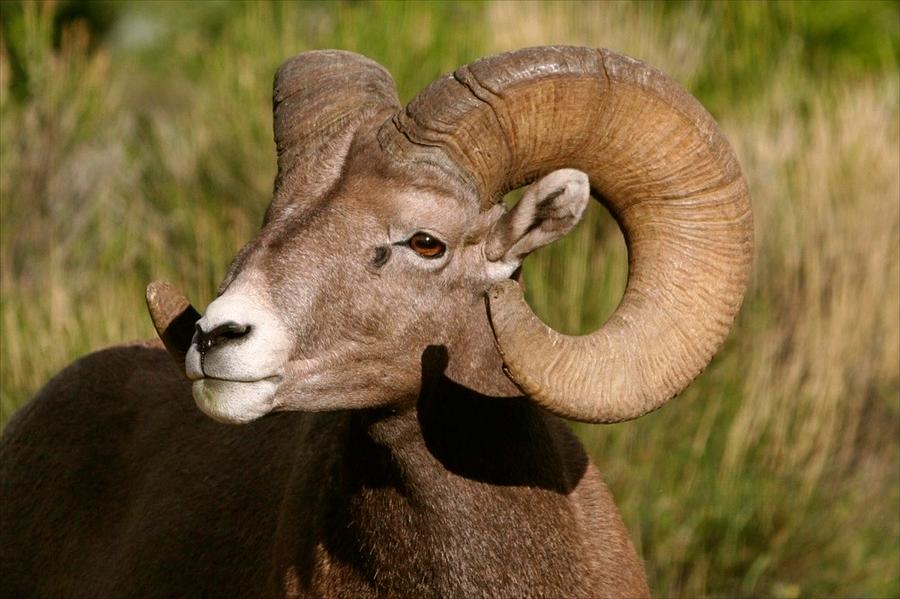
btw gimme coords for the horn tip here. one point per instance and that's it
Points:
(173, 318)
(165, 303)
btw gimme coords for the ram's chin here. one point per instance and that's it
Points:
(234, 402)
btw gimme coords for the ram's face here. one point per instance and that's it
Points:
(364, 261)
(334, 302)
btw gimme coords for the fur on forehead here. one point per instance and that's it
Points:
(360, 170)
(371, 172)
(407, 204)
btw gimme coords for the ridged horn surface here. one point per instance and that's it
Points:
(661, 165)
(173, 318)
(320, 99)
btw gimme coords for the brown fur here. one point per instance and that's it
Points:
(115, 485)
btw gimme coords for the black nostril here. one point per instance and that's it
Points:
(223, 332)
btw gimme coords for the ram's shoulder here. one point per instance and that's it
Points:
(113, 383)
(137, 368)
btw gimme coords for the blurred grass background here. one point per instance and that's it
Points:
(136, 144)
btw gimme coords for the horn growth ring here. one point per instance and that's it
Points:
(665, 171)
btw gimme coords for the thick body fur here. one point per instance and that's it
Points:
(456, 495)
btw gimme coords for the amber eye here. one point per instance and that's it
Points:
(426, 245)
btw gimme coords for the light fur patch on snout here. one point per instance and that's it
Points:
(234, 402)
(234, 380)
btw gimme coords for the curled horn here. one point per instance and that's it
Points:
(660, 164)
(320, 99)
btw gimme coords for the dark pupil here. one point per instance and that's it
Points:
(426, 242)
(426, 245)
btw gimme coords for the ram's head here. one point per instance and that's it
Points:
(387, 233)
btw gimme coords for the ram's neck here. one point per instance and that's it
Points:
(450, 495)
(470, 358)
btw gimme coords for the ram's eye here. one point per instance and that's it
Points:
(427, 245)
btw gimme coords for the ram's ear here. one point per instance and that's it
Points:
(550, 208)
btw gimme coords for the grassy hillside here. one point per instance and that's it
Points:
(135, 143)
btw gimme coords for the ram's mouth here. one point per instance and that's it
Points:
(274, 378)
(236, 401)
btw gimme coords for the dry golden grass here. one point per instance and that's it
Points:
(675, 43)
(825, 338)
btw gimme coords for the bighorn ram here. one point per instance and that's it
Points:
(404, 405)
